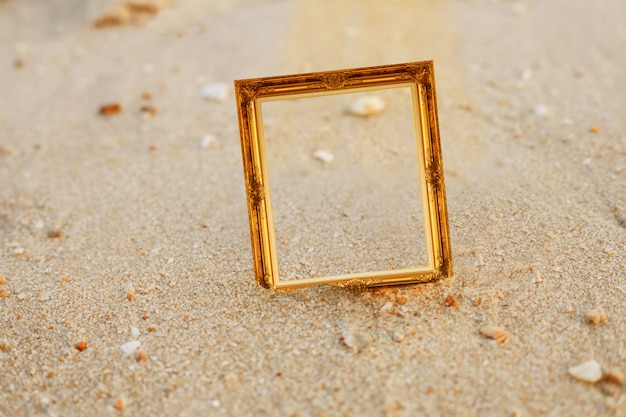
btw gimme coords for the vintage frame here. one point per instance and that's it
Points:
(419, 76)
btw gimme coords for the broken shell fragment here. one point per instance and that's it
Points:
(355, 340)
(324, 156)
(367, 106)
(596, 316)
(588, 371)
(496, 333)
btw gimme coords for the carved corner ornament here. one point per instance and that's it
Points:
(419, 77)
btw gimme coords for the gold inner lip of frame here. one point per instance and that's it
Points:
(419, 77)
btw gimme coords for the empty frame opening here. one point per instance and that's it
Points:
(344, 175)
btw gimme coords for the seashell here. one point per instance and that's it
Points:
(324, 156)
(589, 371)
(387, 306)
(355, 340)
(130, 347)
(398, 336)
(541, 111)
(367, 106)
(596, 316)
(496, 333)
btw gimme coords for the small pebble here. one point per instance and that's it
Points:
(527, 74)
(594, 129)
(148, 111)
(110, 109)
(130, 347)
(541, 111)
(596, 316)
(589, 371)
(496, 333)
(367, 106)
(80, 346)
(356, 340)
(207, 141)
(451, 301)
(398, 336)
(324, 156)
(141, 357)
(215, 403)
(21, 296)
(2, 280)
(134, 331)
(215, 91)
(54, 234)
(119, 404)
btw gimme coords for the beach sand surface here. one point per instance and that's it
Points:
(131, 227)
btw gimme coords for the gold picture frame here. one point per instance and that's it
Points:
(419, 76)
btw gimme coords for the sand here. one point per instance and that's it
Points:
(125, 228)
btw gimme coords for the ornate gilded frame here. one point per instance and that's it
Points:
(419, 76)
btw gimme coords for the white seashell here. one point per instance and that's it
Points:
(215, 91)
(387, 306)
(355, 340)
(496, 333)
(130, 347)
(367, 105)
(398, 336)
(207, 141)
(541, 111)
(324, 156)
(589, 371)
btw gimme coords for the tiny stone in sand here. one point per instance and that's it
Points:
(588, 371)
(496, 333)
(324, 156)
(367, 106)
(130, 347)
(596, 316)
(215, 91)
(541, 111)
(356, 340)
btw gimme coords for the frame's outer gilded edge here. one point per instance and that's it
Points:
(422, 75)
